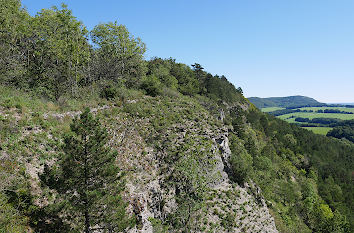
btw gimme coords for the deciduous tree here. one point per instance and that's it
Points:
(118, 55)
(61, 51)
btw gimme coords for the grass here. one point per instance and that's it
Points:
(28, 102)
(12, 98)
(271, 109)
(312, 115)
(319, 130)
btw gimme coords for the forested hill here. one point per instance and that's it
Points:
(93, 138)
(285, 102)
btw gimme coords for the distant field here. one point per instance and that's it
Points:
(312, 115)
(290, 117)
(271, 109)
(319, 130)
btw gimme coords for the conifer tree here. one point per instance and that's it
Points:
(88, 179)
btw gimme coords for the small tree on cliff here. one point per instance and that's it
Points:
(88, 179)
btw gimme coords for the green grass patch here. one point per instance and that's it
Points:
(271, 109)
(312, 115)
(13, 98)
(319, 130)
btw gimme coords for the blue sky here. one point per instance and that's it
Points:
(268, 47)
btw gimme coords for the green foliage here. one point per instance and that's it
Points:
(109, 92)
(237, 121)
(192, 81)
(152, 85)
(283, 171)
(187, 83)
(158, 225)
(11, 220)
(346, 131)
(15, 201)
(240, 160)
(59, 61)
(61, 46)
(161, 68)
(87, 177)
(220, 88)
(119, 55)
(14, 28)
(190, 180)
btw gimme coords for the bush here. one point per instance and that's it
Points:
(170, 92)
(11, 219)
(241, 165)
(109, 92)
(152, 85)
(240, 161)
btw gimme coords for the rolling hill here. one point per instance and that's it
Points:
(285, 102)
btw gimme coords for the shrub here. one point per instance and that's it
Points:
(109, 92)
(241, 161)
(152, 85)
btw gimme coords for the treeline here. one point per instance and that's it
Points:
(333, 111)
(321, 105)
(322, 121)
(286, 111)
(165, 75)
(306, 105)
(339, 132)
(341, 105)
(53, 54)
(344, 129)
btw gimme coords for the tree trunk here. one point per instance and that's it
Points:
(87, 222)
(87, 217)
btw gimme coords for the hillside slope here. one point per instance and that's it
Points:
(147, 132)
(191, 165)
(284, 102)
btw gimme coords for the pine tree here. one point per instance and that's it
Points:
(88, 179)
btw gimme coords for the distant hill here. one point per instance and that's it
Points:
(285, 102)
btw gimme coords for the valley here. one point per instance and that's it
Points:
(320, 118)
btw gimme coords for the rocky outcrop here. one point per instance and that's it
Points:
(243, 207)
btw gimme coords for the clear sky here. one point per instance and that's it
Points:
(268, 47)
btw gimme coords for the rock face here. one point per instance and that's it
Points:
(243, 207)
(245, 204)
(222, 115)
(223, 143)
